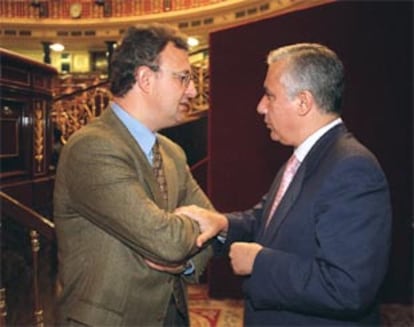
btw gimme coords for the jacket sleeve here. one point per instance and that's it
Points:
(195, 195)
(243, 226)
(106, 188)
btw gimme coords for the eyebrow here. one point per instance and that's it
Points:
(267, 91)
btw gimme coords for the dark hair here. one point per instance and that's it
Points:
(141, 46)
(313, 67)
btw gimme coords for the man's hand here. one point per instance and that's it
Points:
(242, 256)
(211, 223)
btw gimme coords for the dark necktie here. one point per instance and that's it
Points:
(158, 169)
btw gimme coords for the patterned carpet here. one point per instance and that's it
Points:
(206, 312)
(397, 315)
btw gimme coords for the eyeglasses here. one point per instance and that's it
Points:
(184, 77)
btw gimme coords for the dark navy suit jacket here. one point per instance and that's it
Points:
(326, 248)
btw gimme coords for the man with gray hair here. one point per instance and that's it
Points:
(315, 250)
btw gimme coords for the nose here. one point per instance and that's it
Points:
(261, 106)
(191, 91)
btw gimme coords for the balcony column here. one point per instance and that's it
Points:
(46, 52)
(110, 47)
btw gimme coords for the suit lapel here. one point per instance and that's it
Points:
(310, 163)
(143, 166)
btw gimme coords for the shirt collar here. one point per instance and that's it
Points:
(142, 135)
(302, 150)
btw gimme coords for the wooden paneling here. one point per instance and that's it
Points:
(14, 150)
(25, 127)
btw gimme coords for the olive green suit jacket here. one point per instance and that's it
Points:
(110, 215)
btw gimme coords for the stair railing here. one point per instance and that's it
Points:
(37, 224)
(73, 110)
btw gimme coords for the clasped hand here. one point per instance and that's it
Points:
(242, 254)
(211, 223)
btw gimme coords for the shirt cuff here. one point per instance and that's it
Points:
(189, 268)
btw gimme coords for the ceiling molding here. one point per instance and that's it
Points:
(91, 34)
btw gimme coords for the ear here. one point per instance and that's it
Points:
(143, 78)
(305, 102)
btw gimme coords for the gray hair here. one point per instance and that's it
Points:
(315, 68)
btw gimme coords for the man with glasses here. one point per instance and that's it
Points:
(124, 256)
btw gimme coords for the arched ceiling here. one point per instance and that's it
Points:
(91, 34)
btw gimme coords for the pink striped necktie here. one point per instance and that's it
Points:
(290, 171)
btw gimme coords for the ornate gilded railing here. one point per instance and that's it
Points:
(201, 77)
(37, 225)
(72, 111)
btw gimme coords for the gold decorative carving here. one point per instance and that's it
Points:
(39, 134)
(71, 113)
(75, 10)
(201, 81)
(38, 311)
(34, 237)
(3, 307)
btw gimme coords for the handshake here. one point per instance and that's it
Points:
(242, 254)
(211, 223)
